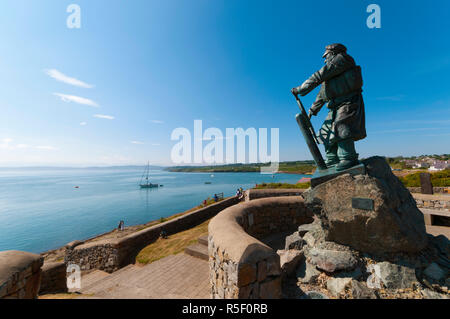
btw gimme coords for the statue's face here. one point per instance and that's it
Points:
(328, 57)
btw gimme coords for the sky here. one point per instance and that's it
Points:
(113, 91)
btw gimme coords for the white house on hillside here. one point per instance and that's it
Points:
(439, 166)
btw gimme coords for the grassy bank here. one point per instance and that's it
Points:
(438, 179)
(172, 245)
(282, 185)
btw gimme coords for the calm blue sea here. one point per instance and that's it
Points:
(41, 210)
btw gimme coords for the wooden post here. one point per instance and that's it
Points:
(425, 183)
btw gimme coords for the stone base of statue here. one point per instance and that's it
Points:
(369, 239)
(369, 209)
(321, 176)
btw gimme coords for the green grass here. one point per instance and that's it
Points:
(297, 167)
(172, 245)
(438, 179)
(175, 243)
(283, 185)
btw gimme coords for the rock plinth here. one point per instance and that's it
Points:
(391, 223)
(368, 240)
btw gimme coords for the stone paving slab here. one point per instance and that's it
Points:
(90, 279)
(197, 250)
(438, 230)
(174, 277)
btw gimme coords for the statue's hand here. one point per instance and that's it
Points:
(310, 113)
(295, 91)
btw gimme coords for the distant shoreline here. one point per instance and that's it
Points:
(249, 171)
(296, 173)
(296, 167)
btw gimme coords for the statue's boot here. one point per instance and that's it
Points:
(332, 156)
(347, 154)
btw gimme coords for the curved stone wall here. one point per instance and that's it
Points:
(53, 278)
(241, 265)
(20, 274)
(436, 190)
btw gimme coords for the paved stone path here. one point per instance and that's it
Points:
(177, 276)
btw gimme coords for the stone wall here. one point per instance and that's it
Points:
(241, 265)
(436, 190)
(20, 274)
(110, 255)
(252, 194)
(102, 255)
(440, 202)
(54, 278)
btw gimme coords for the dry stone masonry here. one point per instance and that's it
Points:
(439, 202)
(53, 278)
(242, 266)
(20, 274)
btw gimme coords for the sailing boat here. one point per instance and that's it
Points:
(145, 183)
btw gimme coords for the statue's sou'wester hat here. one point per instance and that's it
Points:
(335, 48)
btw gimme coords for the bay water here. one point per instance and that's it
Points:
(40, 208)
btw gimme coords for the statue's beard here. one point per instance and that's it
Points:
(328, 57)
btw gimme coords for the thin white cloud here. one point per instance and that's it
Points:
(76, 99)
(156, 144)
(46, 147)
(398, 97)
(6, 143)
(137, 142)
(59, 76)
(157, 121)
(441, 134)
(401, 130)
(102, 116)
(83, 123)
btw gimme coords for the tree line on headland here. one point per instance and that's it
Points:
(294, 167)
(410, 179)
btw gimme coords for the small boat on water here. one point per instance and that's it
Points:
(207, 182)
(145, 182)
